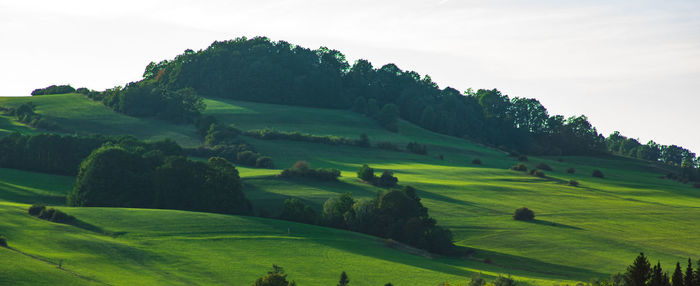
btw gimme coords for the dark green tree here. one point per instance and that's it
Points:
(366, 173)
(688, 279)
(677, 277)
(657, 276)
(344, 281)
(276, 277)
(639, 272)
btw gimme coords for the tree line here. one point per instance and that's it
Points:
(642, 273)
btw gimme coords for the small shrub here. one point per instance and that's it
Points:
(366, 173)
(476, 162)
(55, 215)
(573, 183)
(3, 241)
(504, 281)
(477, 280)
(522, 158)
(537, 173)
(415, 147)
(264, 162)
(388, 146)
(598, 174)
(387, 179)
(543, 166)
(524, 214)
(248, 158)
(442, 157)
(520, 167)
(571, 170)
(303, 169)
(696, 185)
(35, 210)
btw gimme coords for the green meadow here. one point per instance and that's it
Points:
(592, 230)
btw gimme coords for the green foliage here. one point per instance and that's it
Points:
(387, 179)
(35, 210)
(3, 241)
(366, 173)
(270, 134)
(219, 134)
(688, 278)
(388, 146)
(524, 214)
(573, 183)
(537, 173)
(571, 170)
(543, 166)
(344, 280)
(598, 174)
(504, 281)
(415, 147)
(677, 277)
(477, 280)
(302, 169)
(276, 277)
(121, 175)
(519, 167)
(360, 105)
(476, 161)
(388, 117)
(264, 162)
(54, 89)
(639, 272)
(55, 215)
(150, 99)
(296, 210)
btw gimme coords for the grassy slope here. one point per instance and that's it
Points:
(581, 232)
(84, 116)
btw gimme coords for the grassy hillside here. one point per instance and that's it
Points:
(77, 113)
(580, 232)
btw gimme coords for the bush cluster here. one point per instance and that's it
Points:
(598, 174)
(241, 154)
(388, 146)
(524, 214)
(123, 176)
(53, 89)
(270, 134)
(573, 183)
(571, 170)
(387, 179)
(476, 161)
(415, 147)
(396, 214)
(543, 166)
(26, 114)
(537, 173)
(296, 210)
(50, 214)
(519, 167)
(302, 169)
(522, 158)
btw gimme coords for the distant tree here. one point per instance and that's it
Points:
(639, 272)
(364, 141)
(387, 179)
(677, 277)
(344, 281)
(689, 280)
(696, 275)
(504, 281)
(524, 214)
(477, 280)
(598, 174)
(372, 107)
(276, 277)
(366, 173)
(264, 162)
(296, 210)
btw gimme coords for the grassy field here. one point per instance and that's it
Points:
(580, 232)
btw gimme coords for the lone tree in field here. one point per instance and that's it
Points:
(366, 173)
(524, 214)
(639, 272)
(344, 281)
(276, 277)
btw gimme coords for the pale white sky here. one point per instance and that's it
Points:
(632, 66)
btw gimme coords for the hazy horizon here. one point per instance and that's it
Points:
(629, 66)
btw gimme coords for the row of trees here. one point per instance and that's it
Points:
(146, 176)
(641, 273)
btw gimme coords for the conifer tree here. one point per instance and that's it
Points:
(689, 279)
(696, 275)
(344, 281)
(639, 272)
(657, 276)
(678, 276)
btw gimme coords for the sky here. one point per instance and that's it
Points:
(630, 66)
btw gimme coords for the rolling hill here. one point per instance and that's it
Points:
(591, 230)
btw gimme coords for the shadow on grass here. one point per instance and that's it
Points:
(552, 224)
(93, 228)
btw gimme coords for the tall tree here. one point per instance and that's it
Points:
(639, 272)
(677, 277)
(657, 276)
(344, 281)
(689, 280)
